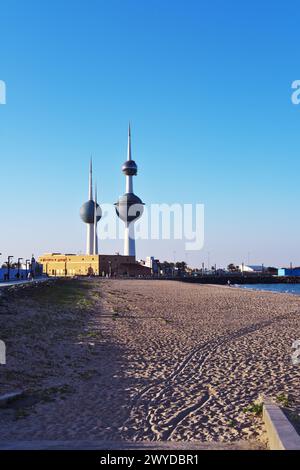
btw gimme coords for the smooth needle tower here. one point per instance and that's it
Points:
(90, 213)
(129, 206)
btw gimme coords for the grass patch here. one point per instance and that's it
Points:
(91, 335)
(21, 413)
(231, 423)
(61, 293)
(87, 374)
(50, 394)
(60, 305)
(254, 408)
(283, 399)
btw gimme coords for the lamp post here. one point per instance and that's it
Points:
(18, 275)
(8, 265)
(27, 264)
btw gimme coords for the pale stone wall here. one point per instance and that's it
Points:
(69, 265)
(62, 265)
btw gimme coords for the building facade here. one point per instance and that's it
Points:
(68, 265)
(289, 272)
(59, 265)
(253, 268)
(13, 272)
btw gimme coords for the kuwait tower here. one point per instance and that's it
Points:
(129, 206)
(90, 213)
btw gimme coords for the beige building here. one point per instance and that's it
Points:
(62, 265)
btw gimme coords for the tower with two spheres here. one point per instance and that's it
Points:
(129, 208)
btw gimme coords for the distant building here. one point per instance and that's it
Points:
(244, 268)
(14, 273)
(67, 265)
(153, 264)
(289, 272)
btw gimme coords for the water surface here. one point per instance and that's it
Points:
(279, 288)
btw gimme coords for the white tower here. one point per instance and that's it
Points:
(90, 213)
(90, 226)
(129, 207)
(96, 207)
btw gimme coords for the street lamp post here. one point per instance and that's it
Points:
(18, 275)
(8, 265)
(27, 264)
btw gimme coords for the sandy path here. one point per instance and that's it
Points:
(152, 360)
(204, 354)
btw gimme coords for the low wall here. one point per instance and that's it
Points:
(12, 274)
(281, 434)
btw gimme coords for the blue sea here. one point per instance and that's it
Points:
(279, 288)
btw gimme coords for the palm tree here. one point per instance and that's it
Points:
(232, 268)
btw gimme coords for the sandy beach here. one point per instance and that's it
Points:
(137, 360)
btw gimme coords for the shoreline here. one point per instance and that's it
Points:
(257, 289)
(250, 289)
(253, 289)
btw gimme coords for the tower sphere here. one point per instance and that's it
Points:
(129, 207)
(87, 212)
(129, 168)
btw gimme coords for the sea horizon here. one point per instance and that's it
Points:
(279, 288)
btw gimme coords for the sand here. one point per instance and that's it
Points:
(137, 360)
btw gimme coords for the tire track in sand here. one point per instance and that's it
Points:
(163, 429)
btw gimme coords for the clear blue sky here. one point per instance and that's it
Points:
(207, 87)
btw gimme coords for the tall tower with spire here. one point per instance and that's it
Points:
(96, 219)
(90, 213)
(129, 206)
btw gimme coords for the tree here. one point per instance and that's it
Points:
(181, 265)
(232, 268)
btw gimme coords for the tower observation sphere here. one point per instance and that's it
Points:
(129, 207)
(129, 168)
(87, 212)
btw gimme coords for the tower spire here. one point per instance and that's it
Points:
(129, 143)
(87, 214)
(91, 180)
(129, 182)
